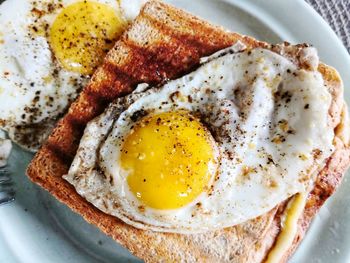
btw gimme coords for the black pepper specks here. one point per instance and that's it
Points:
(138, 115)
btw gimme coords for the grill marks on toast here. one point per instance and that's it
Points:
(189, 40)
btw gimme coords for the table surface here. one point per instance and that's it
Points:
(337, 14)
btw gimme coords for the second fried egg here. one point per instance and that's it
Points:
(48, 52)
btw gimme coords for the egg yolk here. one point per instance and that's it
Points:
(170, 159)
(82, 34)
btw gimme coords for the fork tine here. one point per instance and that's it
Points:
(4, 171)
(5, 181)
(4, 175)
(7, 197)
(7, 194)
(8, 186)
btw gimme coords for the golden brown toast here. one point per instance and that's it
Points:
(165, 43)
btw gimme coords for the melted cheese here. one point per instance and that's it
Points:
(289, 228)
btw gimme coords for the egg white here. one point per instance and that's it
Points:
(248, 99)
(131, 8)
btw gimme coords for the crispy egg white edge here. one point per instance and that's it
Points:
(85, 160)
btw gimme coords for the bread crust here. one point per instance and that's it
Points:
(152, 51)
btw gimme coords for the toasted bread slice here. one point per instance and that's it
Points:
(164, 43)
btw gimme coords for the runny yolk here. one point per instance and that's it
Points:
(82, 34)
(170, 159)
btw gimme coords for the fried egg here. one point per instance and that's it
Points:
(48, 51)
(215, 148)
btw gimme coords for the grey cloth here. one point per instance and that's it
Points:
(337, 14)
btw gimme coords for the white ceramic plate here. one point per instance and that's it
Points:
(37, 228)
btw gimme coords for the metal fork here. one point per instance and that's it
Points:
(7, 193)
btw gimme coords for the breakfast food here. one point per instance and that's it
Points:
(212, 149)
(48, 51)
(165, 43)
